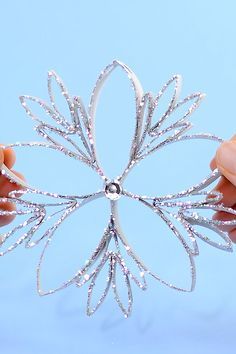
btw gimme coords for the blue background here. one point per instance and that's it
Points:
(156, 39)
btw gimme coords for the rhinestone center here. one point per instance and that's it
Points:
(113, 190)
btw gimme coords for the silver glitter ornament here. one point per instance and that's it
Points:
(148, 138)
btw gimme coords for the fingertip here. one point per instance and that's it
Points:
(225, 160)
(213, 164)
(18, 174)
(228, 191)
(7, 219)
(1, 157)
(233, 137)
(232, 235)
(223, 216)
(9, 157)
(7, 186)
(16, 186)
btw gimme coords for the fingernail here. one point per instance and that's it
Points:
(233, 137)
(1, 157)
(232, 235)
(226, 157)
(213, 163)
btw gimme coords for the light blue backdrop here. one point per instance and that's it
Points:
(156, 39)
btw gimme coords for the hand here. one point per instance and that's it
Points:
(225, 161)
(7, 157)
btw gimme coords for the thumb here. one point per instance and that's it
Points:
(226, 160)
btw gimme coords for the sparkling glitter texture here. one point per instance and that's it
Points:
(148, 138)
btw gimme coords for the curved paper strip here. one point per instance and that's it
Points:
(194, 100)
(176, 137)
(42, 212)
(178, 130)
(194, 218)
(188, 250)
(180, 125)
(66, 201)
(68, 129)
(184, 216)
(152, 106)
(74, 105)
(125, 309)
(81, 276)
(11, 176)
(85, 274)
(139, 279)
(91, 309)
(33, 240)
(201, 221)
(175, 200)
(167, 205)
(83, 128)
(46, 109)
(52, 76)
(72, 127)
(36, 215)
(95, 96)
(52, 231)
(139, 261)
(44, 131)
(110, 233)
(175, 81)
(144, 114)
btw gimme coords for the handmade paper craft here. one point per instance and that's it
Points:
(149, 137)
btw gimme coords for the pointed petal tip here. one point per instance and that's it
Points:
(89, 312)
(22, 98)
(51, 72)
(40, 292)
(178, 77)
(202, 95)
(117, 62)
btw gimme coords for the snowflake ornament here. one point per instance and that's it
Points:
(114, 249)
